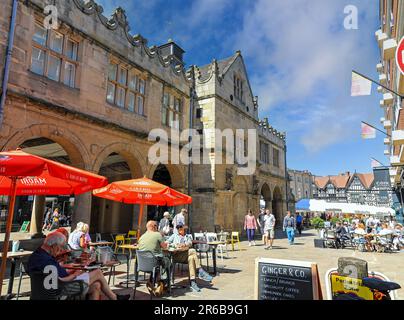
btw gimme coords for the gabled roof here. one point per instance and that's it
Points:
(321, 182)
(223, 66)
(366, 179)
(340, 181)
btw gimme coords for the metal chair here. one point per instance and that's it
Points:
(23, 271)
(235, 238)
(147, 262)
(119, 240)
(132, 235)
(117, 259)
(73, 290)
(202, 248)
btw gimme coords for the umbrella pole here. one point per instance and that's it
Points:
(8, 229)
(140, 221)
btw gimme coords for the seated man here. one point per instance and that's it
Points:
(153, 241)
(342, 234)
(54, 245)
(180, 240)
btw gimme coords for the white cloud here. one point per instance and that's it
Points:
(302, 57)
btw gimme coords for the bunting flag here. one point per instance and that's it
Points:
(368, 132)
(375, 163)
(360, 86)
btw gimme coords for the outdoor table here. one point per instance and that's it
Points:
(130, 247)
(100, 243)
(214, 244)
(13, 257)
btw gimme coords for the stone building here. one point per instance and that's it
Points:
(301, 184)
(388, 37)
(88, 93)
(224, 100)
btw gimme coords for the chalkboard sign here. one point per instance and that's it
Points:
(286, 280)
(25, 226)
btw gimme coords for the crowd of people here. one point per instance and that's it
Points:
(369, 232)
(54, 219)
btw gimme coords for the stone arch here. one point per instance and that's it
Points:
(277, 203)
(266, 195)
(176, 173)
(132, 156)
(72, 144)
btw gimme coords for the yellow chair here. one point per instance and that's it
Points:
(235, 238)
(131, 235)
(119, 240)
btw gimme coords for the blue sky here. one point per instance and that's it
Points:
(299, 58)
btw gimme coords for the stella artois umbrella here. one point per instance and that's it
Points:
(26, 174)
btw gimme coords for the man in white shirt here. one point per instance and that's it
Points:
(179, 219)
(269, 229)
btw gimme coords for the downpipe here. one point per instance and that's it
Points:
(7, 65)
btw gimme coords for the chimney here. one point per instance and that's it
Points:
(172, 50)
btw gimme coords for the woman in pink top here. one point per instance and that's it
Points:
(250, 225)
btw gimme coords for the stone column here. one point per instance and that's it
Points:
(82, 209)
(38, 211)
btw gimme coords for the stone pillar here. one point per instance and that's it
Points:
(38, 211)
(82, 209)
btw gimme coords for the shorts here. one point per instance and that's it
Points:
(270, 233)
(84, 277)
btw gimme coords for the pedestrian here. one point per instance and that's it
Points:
(269, 229)
(47, 219)
(261, 217)
(299, 223)
(164, 225)
(289, 225)
(55, 219)
(179, 219)
(250, 225)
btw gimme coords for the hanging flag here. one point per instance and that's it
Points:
(360, 86)
(368, 132)
(375, 163)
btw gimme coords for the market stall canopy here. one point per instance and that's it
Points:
(303, 204)
(353, 208)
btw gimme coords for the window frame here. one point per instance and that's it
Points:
(169, 109)
(63, 57)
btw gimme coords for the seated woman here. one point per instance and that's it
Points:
(180, 240)
(365, 237)
(78, 238)
(54, 245)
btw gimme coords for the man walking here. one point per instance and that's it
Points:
(269, 229)
(289, 225)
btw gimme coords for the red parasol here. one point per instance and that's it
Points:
(25, 174)
(143, 192)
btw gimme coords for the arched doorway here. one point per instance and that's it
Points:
(163, 176)
(266, 197)
(110, 216)
(277, 205)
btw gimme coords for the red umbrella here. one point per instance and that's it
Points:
(25, 174)
(144, 192)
